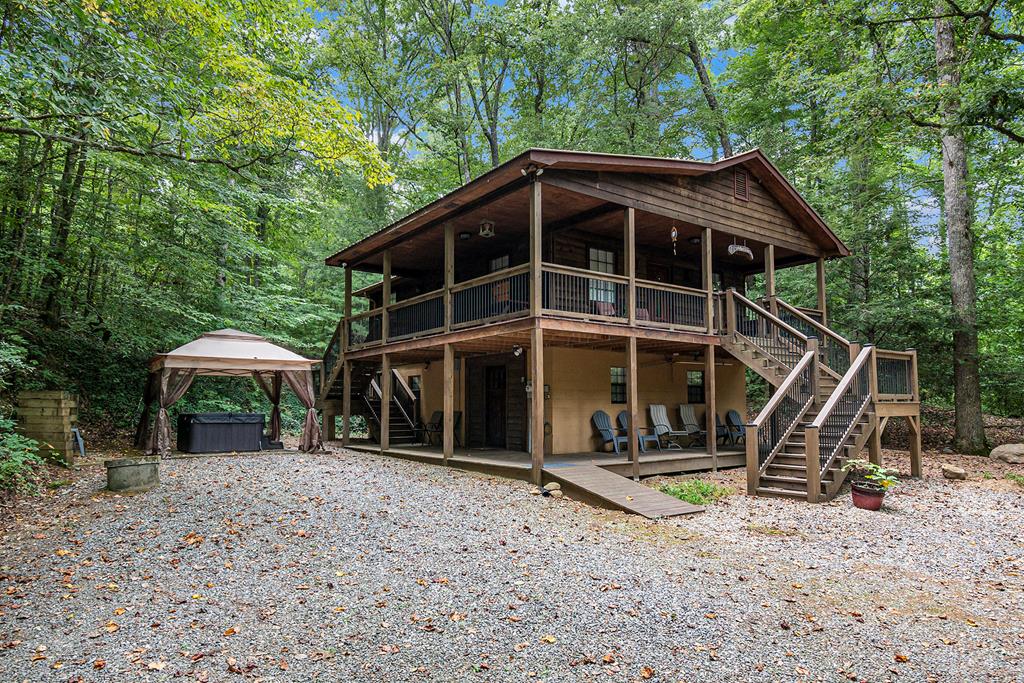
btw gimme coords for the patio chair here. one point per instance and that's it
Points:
(721, 431)
(734, 424)
(662, 427)
(642, 439)
(605, 308)
(688, 421)
(604, 427)
(436, 426)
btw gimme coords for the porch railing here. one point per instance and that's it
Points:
(833, 349)
(784, 343)
(331, 354)
(896, 375)
(364, 329)
(670, 305)
(766, 436)
(585, 293)
(419, 315)
(497, 296)
(827, 434)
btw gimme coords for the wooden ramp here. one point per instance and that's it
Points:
(598, 486)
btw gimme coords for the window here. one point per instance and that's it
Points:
(739, 184)
(602, 261)
(618, 385)
(414, 383)
(498, 263)
(695, 386)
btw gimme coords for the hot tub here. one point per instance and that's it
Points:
(219, 432)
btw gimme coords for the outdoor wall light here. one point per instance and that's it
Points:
(517, 351)
(465, 235)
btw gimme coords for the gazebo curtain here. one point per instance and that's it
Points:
(302, 384)
(173, 385)
(272, 389)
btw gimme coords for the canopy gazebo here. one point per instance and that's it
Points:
(227, 353)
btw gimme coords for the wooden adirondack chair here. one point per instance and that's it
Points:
(642, 439)
(603, 425)
(734, 425)
(662, 427)
(688, 420)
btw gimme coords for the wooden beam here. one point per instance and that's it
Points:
(329, 425)
(385, 402)
(769, 270)
(448, 423)
(812, 465)
(536, 252)
(537, 405)
(346, 403)
(348, 308)
(629, 255)
(386, 295)
(632, 405)
(449, 272)
(708, 279)
(710, 402)
(822, 303)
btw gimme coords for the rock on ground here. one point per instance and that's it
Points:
(1012, 453)
(339, 566)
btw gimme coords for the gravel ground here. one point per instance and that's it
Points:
(295, 568)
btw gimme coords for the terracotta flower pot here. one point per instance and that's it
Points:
(866, 496)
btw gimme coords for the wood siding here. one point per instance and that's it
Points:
(515, 400)
(705, 201)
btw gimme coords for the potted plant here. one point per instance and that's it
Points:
(870, 483)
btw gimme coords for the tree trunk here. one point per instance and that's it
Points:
(969, 434)
(693, 50)
(64, 204)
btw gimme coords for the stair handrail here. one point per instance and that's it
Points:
(854, 393)
(782, 339)
(805, 371)
(394, 399)
(768, 314)
(825, 334)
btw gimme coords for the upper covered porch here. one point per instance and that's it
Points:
(609, 239)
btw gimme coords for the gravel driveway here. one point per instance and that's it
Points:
(350, 566)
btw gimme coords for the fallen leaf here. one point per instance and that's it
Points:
(646, 672)
(901, 658)
(548, 639)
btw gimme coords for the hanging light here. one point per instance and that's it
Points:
(741, 249)
(487, 228)
(675, 237)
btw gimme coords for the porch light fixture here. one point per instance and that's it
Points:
(487, 228)
(517, 350)
(694, 241)
(741, 249)
(465, 235)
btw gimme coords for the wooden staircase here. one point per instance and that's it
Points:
(821, 412)
(366, 401)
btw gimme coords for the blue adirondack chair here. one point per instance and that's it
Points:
(604, 427)
(663, 428)
(734, 424)
(721, 431)
(643, 439)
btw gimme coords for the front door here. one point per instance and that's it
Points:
(494, 406)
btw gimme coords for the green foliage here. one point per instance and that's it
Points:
(1017, 479)
(696, 491)
(18, 459)
(872, 474)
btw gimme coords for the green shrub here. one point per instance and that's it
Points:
(696, 491)
(1018, 479)
(18, 459)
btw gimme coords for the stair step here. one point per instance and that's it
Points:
(780, 493)
(798, 471)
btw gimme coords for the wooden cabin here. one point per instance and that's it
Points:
(564, 283)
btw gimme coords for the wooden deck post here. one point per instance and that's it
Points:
(346, 403)
(812, 444)
(348, 310)
(730, 311)
(448, 423)
(812, 345)
(875, 440)
(536, 253)
(822, 304)
(632, 403)
(385, 402)
(710, 405)
(708, 279)
(385, 298)
(769, 271)
(629, 251)
(537, 404)
(750, 441)
(330, 425)
(449, 273)
(914, 422)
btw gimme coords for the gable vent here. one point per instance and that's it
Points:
(739, 184)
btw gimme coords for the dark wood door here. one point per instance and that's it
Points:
(495, 406)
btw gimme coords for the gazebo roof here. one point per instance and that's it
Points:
(231, 352)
